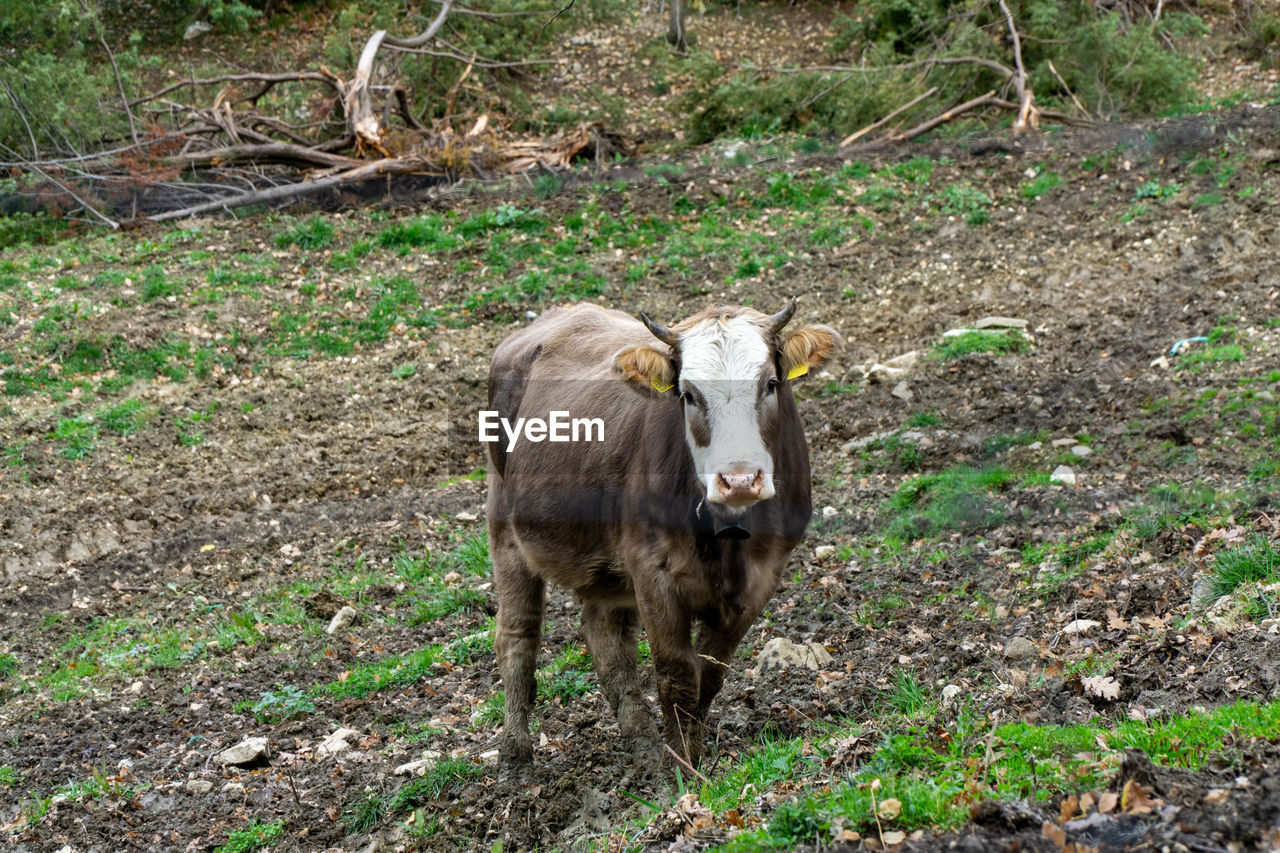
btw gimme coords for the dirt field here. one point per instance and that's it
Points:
(303, 439)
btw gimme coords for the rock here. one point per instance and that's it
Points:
(1080, 451)
(419, 767)
(199, 786)
(781, 653)
(489, 756)
(894, 368)
(153, 801)
(1021, 649)
(950, 693)
(341, 620)
(466, 516)
(1063, 442)
(195, 30)
(336, 742)
(823, 551)
(233, 789)
(248, 751)
(1000, 323)
(1064, 475)
(903, 392)
(1081, 626)
(830, 512)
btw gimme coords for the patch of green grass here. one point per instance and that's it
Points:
(157, 285)
(960, 499)
(427, 232)
(124, 418)
(906, 696)
(1198, 359)
(1174, 505)
(8, 666)
(1134, 211)
(981, 341)
(923, 420)
(1206, 200)
(1157, 190)
(308, 235)
(78, 433)
(391, 671)
(252, 838)
(1044, 181)
(567, 677)
(1255, 561)
(8, 776)
(445, 776)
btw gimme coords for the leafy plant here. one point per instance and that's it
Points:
(286, 703)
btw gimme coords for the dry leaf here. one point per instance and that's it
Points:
(1136, 799)
(889, 809)
(1087, 801)
(1054, 833)
(1108, 801)
(1115, 621)
(1068, 808)
(1102, 686)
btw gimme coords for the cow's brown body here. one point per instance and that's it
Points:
(623, 524)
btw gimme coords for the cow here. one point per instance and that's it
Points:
(683, 517)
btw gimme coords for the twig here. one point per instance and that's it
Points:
(684, 763)
(133, 129)
(88, 208)
(901, 66)
(1067, 89)
(294, 77)
(559, 13)
(848, 140)
(1049, 114)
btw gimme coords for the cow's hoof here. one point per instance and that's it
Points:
(515, 751)
(635, 721)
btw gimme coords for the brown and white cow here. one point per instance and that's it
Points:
(682, 517)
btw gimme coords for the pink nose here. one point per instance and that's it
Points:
(740, 488)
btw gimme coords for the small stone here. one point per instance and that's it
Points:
(1063, 442)
(336, 742)
(195, 30)
(950, 693)
(341, 620)
(903, 391)
(199, 786)
(489, 755)
(1021, 649)
(1035, 445)
(466, 516)
(419, 767)
(247, 751)
(1080, 451)
(1064, 475)
(233, 789)
(1081, 626)
(823, 551)
(781, 653)
(1000, 323)
(830, 512)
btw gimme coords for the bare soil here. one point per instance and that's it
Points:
(313, 468)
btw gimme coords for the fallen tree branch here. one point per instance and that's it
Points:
(901, 66)
(1049, 114)
(925, 127)
(398, 165)
(263, 152)
(272, 79)
(849, 140)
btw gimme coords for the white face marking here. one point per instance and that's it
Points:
(723, 362)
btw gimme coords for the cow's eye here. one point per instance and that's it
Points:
(773, 385)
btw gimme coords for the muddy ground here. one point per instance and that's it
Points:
(315, 469)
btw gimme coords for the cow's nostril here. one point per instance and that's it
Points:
(740, 486)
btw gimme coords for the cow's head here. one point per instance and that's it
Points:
(727, 367)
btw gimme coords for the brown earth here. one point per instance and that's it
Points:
(339, 464)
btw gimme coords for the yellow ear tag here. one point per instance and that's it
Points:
(659, 387)
(799, 370)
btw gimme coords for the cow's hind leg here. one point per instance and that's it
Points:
(612, 633)
(521, 601)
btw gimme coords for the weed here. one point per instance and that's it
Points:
(8, 666)
(427, 232)
(922, 420)
(124, 418)
(252, 838)
(1199, 358)
(365, 814)
(446, 775)
(1257, 560)
(79, 434)
(8, 776)
(286, 703)
(906, 697)
(956, 499)
(404, 371)
(155, 285)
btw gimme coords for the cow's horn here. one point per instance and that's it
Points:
(660, 332)
(777, 321)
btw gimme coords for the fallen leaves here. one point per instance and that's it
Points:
(1102, 686)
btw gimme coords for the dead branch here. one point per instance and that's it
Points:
(1049, 114)
(269, 79)
(849, 140)
(1028, 115)
(925, 127)
(264, 152)
(880, 69)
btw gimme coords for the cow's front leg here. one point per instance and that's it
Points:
(611, 634)
(676, 666)
(715, 654)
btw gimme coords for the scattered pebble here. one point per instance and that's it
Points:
(342, 620)
(1021, 649)
(823, 551)
(1064, 475)
(336, 742)
(246, 751)
(199, 786)
(1080, 451)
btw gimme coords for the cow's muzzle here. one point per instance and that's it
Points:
(739, 488)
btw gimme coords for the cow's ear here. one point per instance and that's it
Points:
(809, 347)
(647, 369)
